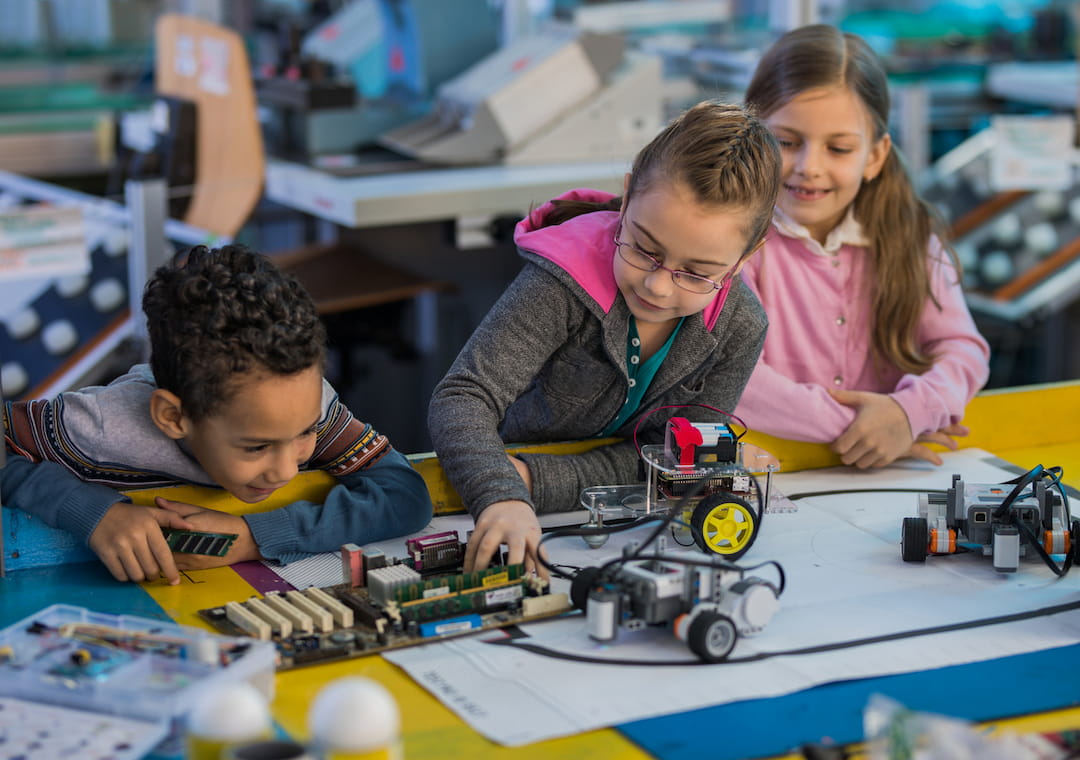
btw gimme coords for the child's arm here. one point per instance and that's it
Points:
(508, 523)
(937, 398)
(505, 354)
(931, 403)
(127, 538)
(512, 524)
(924, 408)
(770, 399)
(129, 541)
(388, 499)
(385, 499)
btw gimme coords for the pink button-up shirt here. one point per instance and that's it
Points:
(819, 338)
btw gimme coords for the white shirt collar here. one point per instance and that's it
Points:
(848, 232)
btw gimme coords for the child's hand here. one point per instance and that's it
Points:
(880, 433)
(506, 522)
(129, 541)
(944, 437)
(213, 521)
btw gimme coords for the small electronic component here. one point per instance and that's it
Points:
(321, 617)
(697, 443)
(436, 551)
(199, 542)
(383, 581)
(301, 621)
(352, 565)
(246, 621)
(279, 624)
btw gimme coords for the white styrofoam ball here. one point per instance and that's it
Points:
(107, 295)
(232, 713)
(23, 323)
(1049, 203)
(71, 286)
(116, 242)
(13, 379)
(1006, 230)
(1041, 238)
(966, 253)
(59, 337)
(980, 185)
(996, 267)
(354, 714)
(949, 181)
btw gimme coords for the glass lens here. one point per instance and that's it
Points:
(637, 259)
(693, 283)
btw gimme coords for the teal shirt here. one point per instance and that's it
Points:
(640, 373)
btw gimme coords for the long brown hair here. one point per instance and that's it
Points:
(897, 222)
(723, 154)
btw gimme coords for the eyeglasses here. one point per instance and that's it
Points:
(638, 259)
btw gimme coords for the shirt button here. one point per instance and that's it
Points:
(840, 320)
(837, 380)
(635, 342)
(635, 359)
(633, 382)
(836, 262)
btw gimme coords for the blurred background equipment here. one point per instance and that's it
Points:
(384, 149)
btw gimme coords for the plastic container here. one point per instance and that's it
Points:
(127, 666)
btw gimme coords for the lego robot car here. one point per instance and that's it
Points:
(1001, 520)
(707, 602)
(700, 468)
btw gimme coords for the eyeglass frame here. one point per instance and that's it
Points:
(676, 274)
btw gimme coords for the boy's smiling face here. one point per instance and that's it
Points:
(257, 441)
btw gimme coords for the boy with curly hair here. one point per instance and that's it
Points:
(234, 397)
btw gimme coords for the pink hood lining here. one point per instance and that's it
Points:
(584, 248)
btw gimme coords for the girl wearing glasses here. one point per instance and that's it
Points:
(624, 305)
(871, 346)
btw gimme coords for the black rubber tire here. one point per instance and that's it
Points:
(712, 636)
(914, 539)
(581, 585)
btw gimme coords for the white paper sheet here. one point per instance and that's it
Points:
(845, 581)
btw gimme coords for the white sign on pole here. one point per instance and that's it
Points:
(1032, 152)
(42, 241)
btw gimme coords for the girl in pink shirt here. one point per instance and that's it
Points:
(870, 347)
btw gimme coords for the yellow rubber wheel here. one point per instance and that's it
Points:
(724, 524)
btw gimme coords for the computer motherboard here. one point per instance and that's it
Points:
(386, 603)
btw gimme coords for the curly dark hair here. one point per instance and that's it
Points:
(222, 312)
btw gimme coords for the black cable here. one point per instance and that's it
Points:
(718, 561)
(545, 651)
(1021, 482)
(842, 491)
(1004, 511)
(598, 531)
